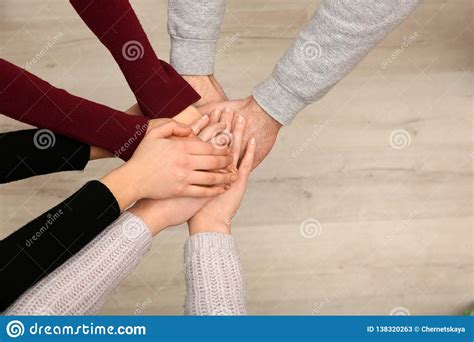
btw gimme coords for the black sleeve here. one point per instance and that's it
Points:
(36, 152)
(38, 248)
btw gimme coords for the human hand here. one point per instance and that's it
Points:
(216, 215)
(163, 168)
(160, 214)
(259, 124)
(208, 87)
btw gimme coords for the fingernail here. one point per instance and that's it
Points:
(252, 141)
(233, 178)
(205, 117)
(241, 119)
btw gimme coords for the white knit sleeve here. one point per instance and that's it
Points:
(213, 273)
(82, 284)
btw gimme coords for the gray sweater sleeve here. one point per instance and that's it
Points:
(194, 26)
(213, 273)
(338, 36)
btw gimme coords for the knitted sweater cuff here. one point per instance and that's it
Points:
(193, 57)
(277, 100)
(204, 242)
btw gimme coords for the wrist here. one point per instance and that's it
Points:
(121, 183)
(188, 116)
(99, 153)
(255, 108)
(153, 217)
(208, 224)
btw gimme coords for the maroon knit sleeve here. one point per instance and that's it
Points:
(160, 91)
(29, 99)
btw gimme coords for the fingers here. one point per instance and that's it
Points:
(247, 160)
(201, 191)
(155, 123)
(210, 131)
(201, 147)
(238, 133)
(211, 178)
(215, 116)
(227, 117)
(171, 128)
(205, 162)
(198, 125)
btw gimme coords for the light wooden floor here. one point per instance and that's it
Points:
(396, 224)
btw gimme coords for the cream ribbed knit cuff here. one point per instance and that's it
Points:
(213, 276)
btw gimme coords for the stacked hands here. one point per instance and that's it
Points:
(192, 164)
(182, 172)
(260, 123)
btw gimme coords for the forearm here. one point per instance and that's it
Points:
(158, 88)
(39, 247)
(214, 281)
(194, 29)
(338, 36)
(82, 284)
(37, 152)
(31, 100)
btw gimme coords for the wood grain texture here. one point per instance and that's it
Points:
(395, 224)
